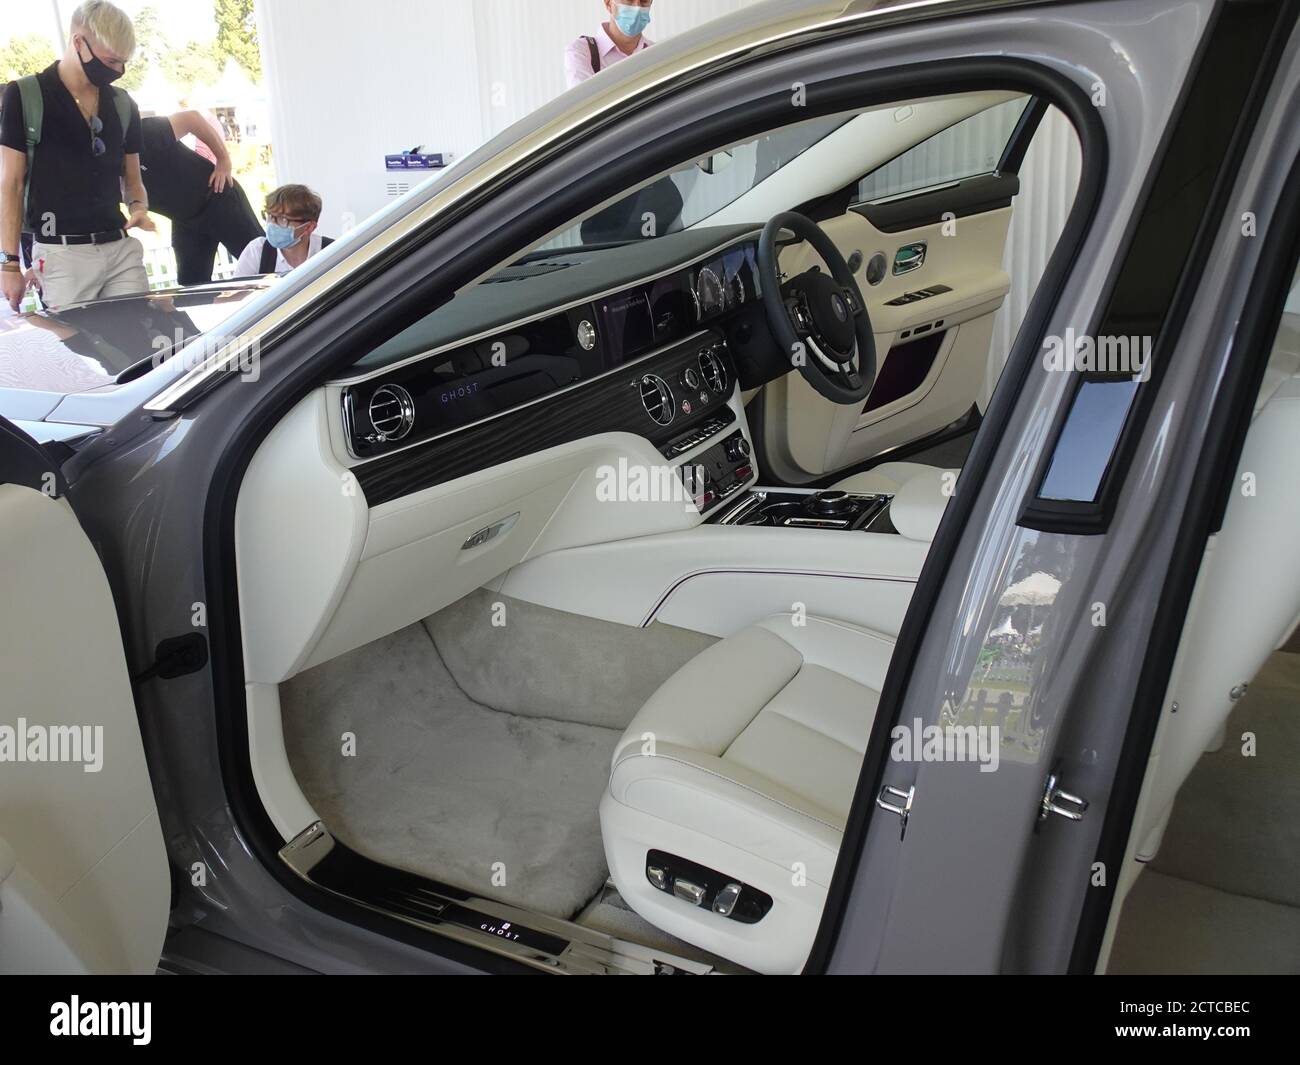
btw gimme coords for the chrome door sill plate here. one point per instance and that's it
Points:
(541, 942)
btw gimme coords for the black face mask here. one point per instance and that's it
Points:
(98, 73)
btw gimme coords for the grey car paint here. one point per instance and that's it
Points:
(1020, 897)
(140, 489)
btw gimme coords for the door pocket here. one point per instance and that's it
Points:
(905, 369)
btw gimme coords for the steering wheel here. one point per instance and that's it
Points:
(819, 320)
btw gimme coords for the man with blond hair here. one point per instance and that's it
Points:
(69, 157)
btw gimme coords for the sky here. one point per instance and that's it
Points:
(182, 20)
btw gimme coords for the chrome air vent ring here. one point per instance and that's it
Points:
(391, 412)
(714, 370)
(657, 398)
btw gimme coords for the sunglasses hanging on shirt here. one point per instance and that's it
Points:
(97, 146)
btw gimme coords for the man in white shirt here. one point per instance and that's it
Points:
(623, 35)
(292, 214)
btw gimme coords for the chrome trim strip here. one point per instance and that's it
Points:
(587, 951)
(828, 18)
(914, 192)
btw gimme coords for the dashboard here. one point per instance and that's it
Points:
(647, 354)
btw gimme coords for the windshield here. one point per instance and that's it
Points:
(693, 193)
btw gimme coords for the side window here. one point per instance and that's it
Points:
(972, 146)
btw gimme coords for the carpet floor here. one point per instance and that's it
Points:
(496, 803)
(1223, 893)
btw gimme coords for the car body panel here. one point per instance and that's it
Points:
(158, 490)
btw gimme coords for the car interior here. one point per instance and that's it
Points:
(566, 610)
(1210, 882)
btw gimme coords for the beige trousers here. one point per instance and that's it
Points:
(74, 273)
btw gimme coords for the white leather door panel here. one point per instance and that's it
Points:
(807, 436)
(84, 884)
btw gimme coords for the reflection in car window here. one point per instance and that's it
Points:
(972, 146)
(692, 193)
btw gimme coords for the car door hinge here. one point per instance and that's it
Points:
(175, 657)
(1060, 802)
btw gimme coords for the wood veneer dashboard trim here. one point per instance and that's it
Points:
(609, 403)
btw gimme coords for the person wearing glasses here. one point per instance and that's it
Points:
(623, 35)
(69, 157)
(292, 214)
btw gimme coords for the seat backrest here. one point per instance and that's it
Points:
(1247, 599)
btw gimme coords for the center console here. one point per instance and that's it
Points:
(804, 509)
(718, 474)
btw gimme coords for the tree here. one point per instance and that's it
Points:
(151, 48)
(195, 64)
(237, 36)
(25, 55)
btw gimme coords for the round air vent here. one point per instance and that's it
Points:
(877, 268)
(713, 370)
(657, 398)
(392, 413)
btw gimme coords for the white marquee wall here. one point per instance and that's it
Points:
(352, 81)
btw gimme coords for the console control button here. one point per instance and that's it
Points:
(738, 448)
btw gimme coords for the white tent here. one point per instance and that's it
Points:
(1038, 589)
(1005, 629)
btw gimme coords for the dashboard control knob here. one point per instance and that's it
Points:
(829, 504)
(738, 448)
(691, 378)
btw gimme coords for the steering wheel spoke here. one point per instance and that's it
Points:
(821, 311)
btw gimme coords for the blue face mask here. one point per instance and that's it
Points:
(281, 237)
(632, 20)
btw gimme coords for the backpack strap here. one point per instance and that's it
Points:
(595, 54)
(33, 101)
(267, 265)
(123, 104)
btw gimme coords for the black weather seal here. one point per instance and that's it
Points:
(24, 462)
(1013, 155)
(1079, 480)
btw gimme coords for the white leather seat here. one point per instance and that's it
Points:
(745, 762)
(885, 479)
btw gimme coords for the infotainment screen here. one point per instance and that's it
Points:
(626, 325)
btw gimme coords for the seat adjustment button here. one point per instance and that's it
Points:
(657, 876)
(725, 901)
(692, 893)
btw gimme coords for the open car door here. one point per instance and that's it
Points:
(84, 884)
